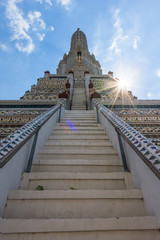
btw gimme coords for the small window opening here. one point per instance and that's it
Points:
(79, 54)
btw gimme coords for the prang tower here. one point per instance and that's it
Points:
(79, 67)
(79, 60)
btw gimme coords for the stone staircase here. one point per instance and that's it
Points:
(83, 191)
(79, 98)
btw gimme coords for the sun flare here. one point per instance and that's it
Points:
(122, 84)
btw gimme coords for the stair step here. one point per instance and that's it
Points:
(79, 121)
(79, 112)
(63, 132)
(74, 204)
(78, 137)
(81, 124)
(63, 155)
(77, 130)
(126, 228)
(80, 162)
(78, 118)
(77, 165)
(79, 107)
(78, 150)
(78, 102)
(73, 113)
(78, 126)
(85, 143)
(82, 106)
(68, 180)
(81, 128)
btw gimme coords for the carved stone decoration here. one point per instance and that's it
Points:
(63, 95)
(95, 95)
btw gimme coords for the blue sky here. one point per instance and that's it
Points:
(124, 35)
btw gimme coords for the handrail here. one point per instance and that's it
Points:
(12, 143)
(86, 105)
(87, 96)
(71, 97)
(147, 151)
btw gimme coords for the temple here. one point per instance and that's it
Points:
(81, 66)
(79, 157)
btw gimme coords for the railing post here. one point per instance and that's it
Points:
(86, 105)
(122, 152)
(97, 114)
(91, 105)
(32, 151)
(59, 117)
(70, 105)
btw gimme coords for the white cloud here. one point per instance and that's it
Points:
(65, 3)
(41, 36)
(52, 28)
(135, 43)
(21, 26)
(46, 1)
(34, 17)
(119, 36)
(49, 2)
(4, 47)
(158, 72)
(98, 45)
(25, 44)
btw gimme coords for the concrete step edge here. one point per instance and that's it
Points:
(77, 175)
(77, 153)
(74, 137)
(79, 162)
(74, 194)
(68, 152)
(78, 225)
(64, 132)
(51, 143)
(79, 129)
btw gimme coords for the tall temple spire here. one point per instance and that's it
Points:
(79, 41)
(79, 60)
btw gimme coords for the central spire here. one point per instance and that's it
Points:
(79, 60)
(79, 42)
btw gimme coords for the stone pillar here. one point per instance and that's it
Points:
(68, 85)
(91, 89)
(87, 79)
(110, 73)
(46, 74)
(70, 78)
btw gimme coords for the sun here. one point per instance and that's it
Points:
(122, 84)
